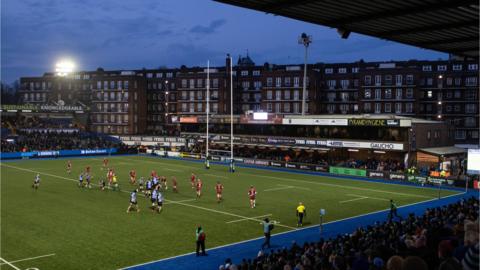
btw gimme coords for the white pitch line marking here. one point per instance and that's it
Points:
(31, 258)
(352, 200)
(238, 220)
(10, 264)
(175, 202)
(304, 188)
(279, 188)
(214, 175)
(187, 200)
(373, 198)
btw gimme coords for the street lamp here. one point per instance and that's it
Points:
(305, 40)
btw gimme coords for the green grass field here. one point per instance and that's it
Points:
(89, 228)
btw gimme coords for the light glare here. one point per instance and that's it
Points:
(64, 67)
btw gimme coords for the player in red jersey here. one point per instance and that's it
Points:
(174, 184)
(105, 163)
(252, 193)
(153, 174)
(87, 169)
(110, 175)
(192, 180)
(133, 177)
(199, 188)
(69, 167)
(163, 182)
(219, 190)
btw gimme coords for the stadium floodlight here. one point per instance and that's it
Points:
(64, 67)
(305, 40)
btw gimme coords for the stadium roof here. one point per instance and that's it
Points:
(449, 26)
(445, 151)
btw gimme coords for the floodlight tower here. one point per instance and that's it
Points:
(305, 40)
(64, 67)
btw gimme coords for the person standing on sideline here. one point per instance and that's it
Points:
(301, 212)
(267, 228)
(200, 240)
(393, 211)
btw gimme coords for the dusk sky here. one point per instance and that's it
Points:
(120, 34)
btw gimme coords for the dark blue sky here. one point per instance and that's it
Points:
(131, 34)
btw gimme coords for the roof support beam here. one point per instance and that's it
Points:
(447, 41)
(426, 7)
(435, 27)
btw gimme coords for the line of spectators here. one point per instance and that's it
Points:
(445, 238)
(39, 141)
(306, 157)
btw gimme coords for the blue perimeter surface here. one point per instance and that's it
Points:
(249, 249)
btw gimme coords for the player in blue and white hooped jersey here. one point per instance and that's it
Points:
(153, 198)
(155, 182)
(80, 180)
(148, 189)
(36, 181)
(159, 201)
(133, 202)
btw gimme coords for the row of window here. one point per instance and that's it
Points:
(160, 75)
(399, 79)
(455, 67)
(387, 93)
(398, 108)
(114, 129)
(462, 134)
(115, 96)
(341, 70)
(286, 107)
(468, 95)
(457, 108)
(112, 107)
(192, 95)
(286, 95)
(286, 81)
(113, 118)
(190, 107)
(199, 83)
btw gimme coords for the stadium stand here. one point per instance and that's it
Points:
(442, 238)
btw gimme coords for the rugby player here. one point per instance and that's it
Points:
(36, 182)
(192, 180)
(219, 190)
(80, 180)
(153, 198)
(133, 202)
(69, 167)
(133, 177)
(252, 193)
(199, 188)
(174, 184)
(159, 201)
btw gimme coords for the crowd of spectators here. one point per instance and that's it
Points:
(40, 141)
(445, 238)
(306, 157)
(22, 122)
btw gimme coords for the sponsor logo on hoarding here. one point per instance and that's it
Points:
(397, 176)
(387, 146)
(374, 174)
(276, 164)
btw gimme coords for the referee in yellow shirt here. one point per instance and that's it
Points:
(301, 212)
